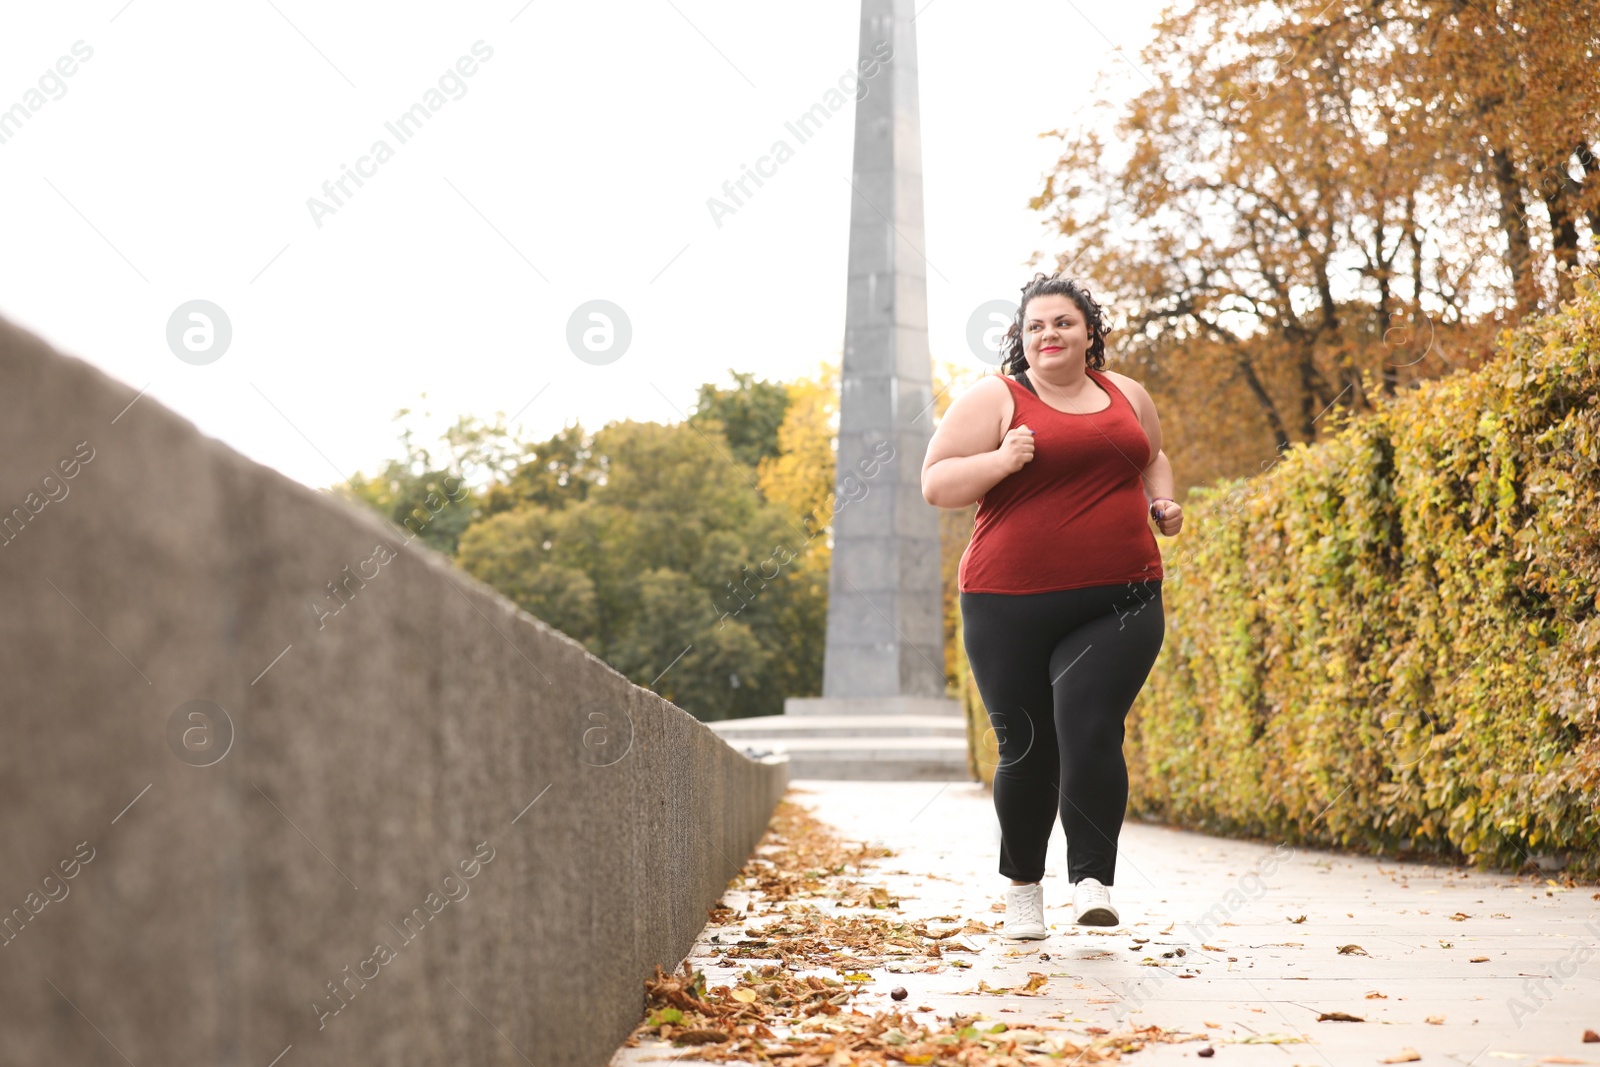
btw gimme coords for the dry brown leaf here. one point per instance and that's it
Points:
(1352, 950)
(1434, 1020)
(1405, 1055)
(700, 1037)
(1339, 1017)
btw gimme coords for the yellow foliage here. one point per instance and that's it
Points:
(801, 475)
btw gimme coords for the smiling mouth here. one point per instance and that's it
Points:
(1051, 348)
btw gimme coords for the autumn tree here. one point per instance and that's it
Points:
(750, 414)
(656, 547)
(436, 492)
(1301, 213)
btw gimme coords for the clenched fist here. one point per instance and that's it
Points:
(1016, 449)
(1168, 515)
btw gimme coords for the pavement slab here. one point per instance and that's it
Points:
(1257, 949)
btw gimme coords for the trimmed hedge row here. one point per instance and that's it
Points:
(1389, 640)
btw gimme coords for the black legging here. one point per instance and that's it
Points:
(1062, 664)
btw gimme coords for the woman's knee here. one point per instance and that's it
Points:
(1099, 733)
(1019, 740)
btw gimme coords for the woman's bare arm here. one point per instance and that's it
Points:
(969, 454)
(1157, 474)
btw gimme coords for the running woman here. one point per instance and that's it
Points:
(1060, 589)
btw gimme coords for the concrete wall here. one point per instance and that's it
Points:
(385, 749)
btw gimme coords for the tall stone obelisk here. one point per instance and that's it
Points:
(883, 712)
(885, 627)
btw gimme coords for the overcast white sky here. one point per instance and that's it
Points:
(176, 160)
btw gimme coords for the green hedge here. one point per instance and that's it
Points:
(1389, 640)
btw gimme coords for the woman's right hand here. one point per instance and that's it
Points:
(1016, 449)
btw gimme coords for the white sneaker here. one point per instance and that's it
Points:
(1025, 913)
(1091, 903)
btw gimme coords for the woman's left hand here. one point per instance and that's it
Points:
(1168, 515)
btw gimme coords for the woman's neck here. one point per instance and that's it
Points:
(1077, 385)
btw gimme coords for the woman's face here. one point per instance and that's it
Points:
(1054, 334)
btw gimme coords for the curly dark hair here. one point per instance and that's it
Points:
(1012, 359)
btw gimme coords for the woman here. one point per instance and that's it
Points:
(1061, 585)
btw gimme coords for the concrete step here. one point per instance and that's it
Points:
(892, 705)
(866, 757)
(771, 727)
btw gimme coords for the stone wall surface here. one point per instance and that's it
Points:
(174, 894)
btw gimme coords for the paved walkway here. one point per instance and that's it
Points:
(1247, 943)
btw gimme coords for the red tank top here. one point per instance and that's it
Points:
(1075, 515)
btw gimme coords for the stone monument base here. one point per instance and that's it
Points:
(898, 738)
(895, 705)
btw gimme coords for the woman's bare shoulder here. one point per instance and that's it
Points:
(990, 385)
(1118, 377)
(1131, 386)
(988, 393)
(979, 413)
(988, 396)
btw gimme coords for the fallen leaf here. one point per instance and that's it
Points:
(1035, 983)
(1339, 1017)
(1298, 919)
(1405, 1055)
(1434, 1020)
(1479, 959)
(1562, 1059)
(1375, 995)
(1460, 917)
(700, 1037)
(1352, 950)
(744, 996)
(1589, 1037)
(663, 1016)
